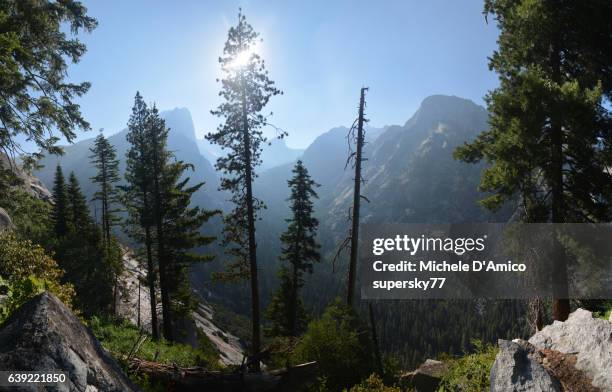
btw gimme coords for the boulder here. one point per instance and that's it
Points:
(589, 338)
(44, 335)
(426, 378)
(517, 369)
(6, 222)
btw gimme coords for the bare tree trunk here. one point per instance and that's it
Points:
(561, 304)
(356, 200)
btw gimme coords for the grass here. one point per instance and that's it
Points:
(119, 339)
(604, 315)
(470, 373)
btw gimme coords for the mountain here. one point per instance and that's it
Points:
(181, 140)
(274, 153)
(410, 171)
(408, 174)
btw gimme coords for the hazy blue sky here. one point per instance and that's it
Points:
(319, 53)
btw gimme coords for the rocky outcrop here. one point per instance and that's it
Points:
(5, 220)
(516, 368)
(230, 349)
(44, 335)
(575, 355)
(589, 338)
(426, 378)
(130, 306)
(30, 183)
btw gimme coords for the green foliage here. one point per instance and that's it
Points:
(285, 305)
(60, 213)
(25, 271)
(36, 40)
(89, 265)
(470, 372)
(341, 345)
(119, 338)
(300, 250)
(373, 384)
(31, 215)
(158, 199)
(178, 223)
(549, 140)
(104, 159)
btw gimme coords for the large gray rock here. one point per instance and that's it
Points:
(5, 220)
(517, 370)
(44, 335)
(426, 378)
(589, 338)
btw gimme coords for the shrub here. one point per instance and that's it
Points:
(25, 271)
(373, 384)
(470, 372)
(341, 345)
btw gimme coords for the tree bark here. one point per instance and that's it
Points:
(356, 201)
(561, 304)
(256, 339)
(293, 310)
(161, 251)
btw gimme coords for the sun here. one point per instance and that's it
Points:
(242, 58)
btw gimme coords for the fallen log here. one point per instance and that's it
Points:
(200, 379)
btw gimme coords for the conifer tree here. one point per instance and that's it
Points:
(37, 39)
(300, 250)
(138, 196)
(177, 224)
(157, 136)
(182, 233)
(79, 248)
(549, 142)
(246, 89)
(80, 220)
(104, 159)
(60, 213)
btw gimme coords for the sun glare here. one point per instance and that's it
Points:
(243, 57)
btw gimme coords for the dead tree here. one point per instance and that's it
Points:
(356, 157)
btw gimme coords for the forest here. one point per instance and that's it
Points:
(169, 247)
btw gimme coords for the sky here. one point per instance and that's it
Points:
(320, 53)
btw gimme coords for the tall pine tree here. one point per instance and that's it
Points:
(138, 199)
(182, 225)
(80, 220)
(60, 212)
(158, 196)
(104, 159)
(300, 250)
(246, 89)
(79, 248)
(549, 142)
